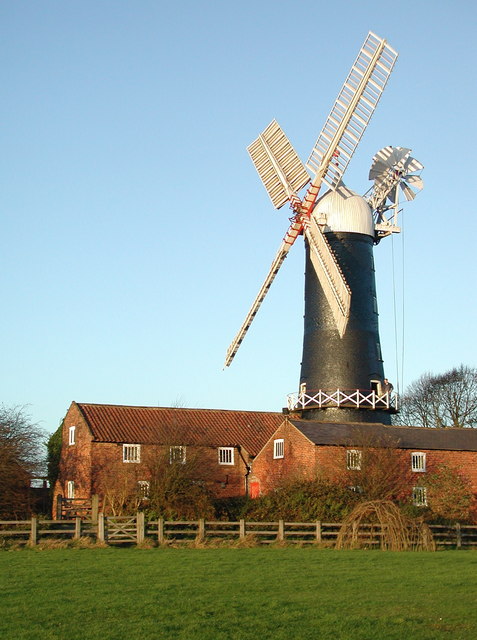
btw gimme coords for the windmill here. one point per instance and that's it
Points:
(342, 368)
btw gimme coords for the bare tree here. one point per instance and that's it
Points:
(375, 468)
(443, 400)
(449, 493)
(21, 458)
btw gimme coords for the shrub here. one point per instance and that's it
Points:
(303, 500)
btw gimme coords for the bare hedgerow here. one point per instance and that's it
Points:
(449, 494)
(382, 520)
(22, 457)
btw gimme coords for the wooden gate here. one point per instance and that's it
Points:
(86, 508)
(121, 529)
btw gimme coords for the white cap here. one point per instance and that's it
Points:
(344, 210)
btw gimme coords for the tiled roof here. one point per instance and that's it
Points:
(349, 434)
(171, 425)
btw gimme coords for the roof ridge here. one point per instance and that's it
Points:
(137, 406)
(380, 424)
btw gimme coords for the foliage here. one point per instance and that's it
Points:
(21, 458)
(53, 447)
(449, 494)
(303, 500)
(384, 472)
(118, 484)
(179, 489)
(230, 509)
(271, 594)
(443, 400)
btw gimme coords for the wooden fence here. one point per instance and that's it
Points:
(134, 530)
(67, 508)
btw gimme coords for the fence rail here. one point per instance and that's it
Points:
(34, 529)
(134, 529)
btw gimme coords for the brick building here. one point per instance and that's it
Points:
(101, 443)
(308, 447)
(238, 452)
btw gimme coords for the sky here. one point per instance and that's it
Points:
(135, 231)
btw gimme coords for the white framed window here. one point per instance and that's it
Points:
(70, 489)
(226, 455)
(419, 496)
(143, 487)
(418, 461)
(353, 459)
(177, 454)
(131, 453)
(279, 448)
(72, 435)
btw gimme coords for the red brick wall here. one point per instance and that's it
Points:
(75, 462)
(303, 458)
(87, 463)
(224, 480)
(94, 465)
(299, 459)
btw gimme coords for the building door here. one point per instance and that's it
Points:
(254, 489)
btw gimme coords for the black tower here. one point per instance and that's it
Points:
(352, 363)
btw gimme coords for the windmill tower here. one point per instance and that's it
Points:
(342, 368)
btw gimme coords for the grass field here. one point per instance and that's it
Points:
(236, 594)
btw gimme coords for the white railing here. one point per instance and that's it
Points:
(357, 398)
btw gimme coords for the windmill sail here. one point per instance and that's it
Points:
(278, 165)
(329, 274)
(283, 174)
(352, 111)
(276, 264)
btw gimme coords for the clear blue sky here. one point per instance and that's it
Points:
(135, 231)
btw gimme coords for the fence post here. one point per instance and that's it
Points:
(201, 531)
(160, 530)
(77, 528)
(101, 528)
(34, 531)
(59, 498)
(281, 531)
(458, 535)
(318, 531)
(140, 527)
(242, 528)
(94, 508)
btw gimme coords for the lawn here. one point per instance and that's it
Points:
(236, 594)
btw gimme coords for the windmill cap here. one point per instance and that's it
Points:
(344, 210)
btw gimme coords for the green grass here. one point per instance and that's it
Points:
(236, 594)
